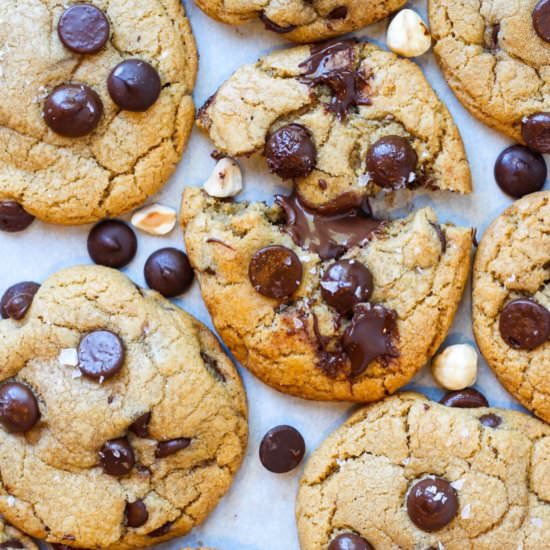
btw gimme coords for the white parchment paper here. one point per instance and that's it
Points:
(258, 512)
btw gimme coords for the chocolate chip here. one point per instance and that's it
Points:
(272, 26)
(167, 448)
(73, 110)
(112, 243)
(13, 217)
(432, 504)
(491, 420)
(12, 543)
(372, 334)
(535, 130)
(282, 449)
(524, 324)
(136, 513)
(391, 162)
(83, 29)
(464, 399)
(520, 171)
(275, 271)
(65, 547)
(100, 355)
(341, 12)
(345, 284)
(117, 457)
(17, 300)
(162, 530)
(134, 85)
(169, 272)
(213, 366)
(291, 152)
(140, 427)
(541, 19)
(349, 541)
(19, 410)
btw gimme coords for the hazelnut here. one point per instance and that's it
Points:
(455, 368)
(226, 179)
(408, 35)
(155, 219)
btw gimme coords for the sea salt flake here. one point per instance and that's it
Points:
(458, 484)
(68, 357)
(11, 501)
(465, 514)
(537, 522)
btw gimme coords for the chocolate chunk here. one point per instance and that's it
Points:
(140, 427)
(345, 284)
(272, 26)
(328, 234)
(282, 449)
(136, 513)
(491, 420)
(134, 85)
(372, 334)
(464, 399)
(17, 300)
(169, 272)
(291, 152)
(349, 541)
(491, 37)
(541, 19)
(117, 457)
(112, 243)
(391, 162)
(12, 543)
(520, 171)
(275, 271)
(13, 217)
(441, 235)
(100, 355)
(432, 504)
(535, 130)
(83, 28)
(73, 110)
(167, 448)
(341, 12)
(524, 324)
(162, 530)
(213, 366)
(19, 410)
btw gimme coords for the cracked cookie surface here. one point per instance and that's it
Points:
(513, 262)
(174, 380)
(419, 271)
(130, 155)
(303, 20)
(493, 59)
(359, 478)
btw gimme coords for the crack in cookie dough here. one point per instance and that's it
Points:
(359, 478)
(513, 261)
(130, 155)
(49, 468)
(10, 537)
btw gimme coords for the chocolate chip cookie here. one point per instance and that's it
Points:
(339, 118)
(95, 104)
(495, 55)
(115, 406)
(302, 20)
(409, 473)
(338, 306)
(511, 300)
(10, 537)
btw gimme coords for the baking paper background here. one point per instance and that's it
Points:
(258, 512)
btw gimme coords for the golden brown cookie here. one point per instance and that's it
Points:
(122, 422)
(10, 537)
(409, 473)
(511, 300)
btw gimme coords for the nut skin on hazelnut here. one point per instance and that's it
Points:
(226, 179)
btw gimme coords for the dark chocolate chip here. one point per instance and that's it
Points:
(117, 457)
(17, 300)
(535, 130)
(134, 85)
(58, 546)
(524, 324)
(290, 152)
(541, 19)
(432, 504)
(12, 543)
(162, 530)
(213, 366)
(491, 420)
(464, 399)
(169, 272)
(167, 448)
(83, 28)
(19, 410)
(345, 284)
(275, 271)
(136, 513)
(341, 12)
(391, 162)
(73, 110)
(100, 355)
(112, 243)
(272, 26)
(349, 541)
(520, 171)
(140, 427)
(13, 217)
(282, 449)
